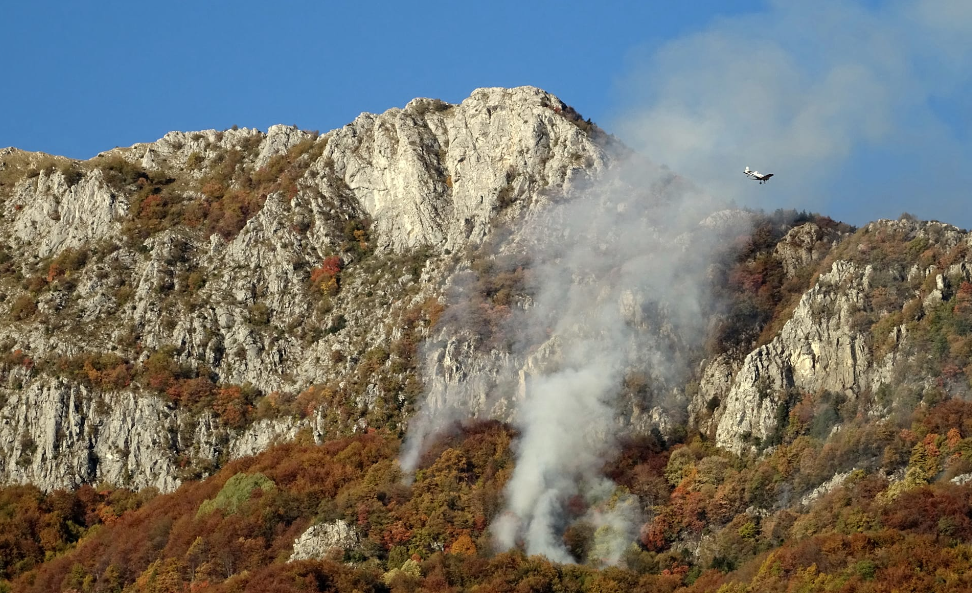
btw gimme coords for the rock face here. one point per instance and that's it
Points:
(101, 258)
(171, 305)
(817, 349)
(826, 487)
(322, 539)
(54, 215)
(57, 437)
(827, 345)
(60, 435)
(803, 246)
(435, 174)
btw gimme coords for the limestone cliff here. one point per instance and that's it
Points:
(849, 333)
(171, 305)
(206, 249)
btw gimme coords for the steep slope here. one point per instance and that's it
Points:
(882, 328)
(176, 304)
(160, 297)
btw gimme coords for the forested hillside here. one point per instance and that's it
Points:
(463, 347)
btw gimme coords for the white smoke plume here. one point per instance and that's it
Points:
(620, 287)
(616, 527)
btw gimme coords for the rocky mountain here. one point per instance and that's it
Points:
(859, 332)
(176, 304)
(139, 285)
(252, 322)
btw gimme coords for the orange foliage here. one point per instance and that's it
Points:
(851, 538)
(326, 276)
(463, 546)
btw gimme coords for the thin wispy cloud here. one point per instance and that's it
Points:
(858, 110)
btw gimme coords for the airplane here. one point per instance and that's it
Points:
(761, 177)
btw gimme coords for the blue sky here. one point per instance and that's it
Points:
(859, 108)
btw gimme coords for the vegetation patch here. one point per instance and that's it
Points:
(221, 202)
(237, 491)
(433, 533)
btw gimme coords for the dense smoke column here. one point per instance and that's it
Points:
(566, 425)
(628, 236)
(619, 286)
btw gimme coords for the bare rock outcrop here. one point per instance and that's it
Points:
(323, 539)
(55, 435)
(803, 246)
(437, 174)
(52, 215)
(818, 348)
(239, 304)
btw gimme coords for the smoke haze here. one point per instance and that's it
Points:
(619, 276)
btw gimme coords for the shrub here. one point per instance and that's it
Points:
(234, 404)
(327, 276)
(237, 490)
(339, 323)
(120, 172)
(71, 172)
(104, 371)
(69, 260)
(227, 214)
(356, 237)
(23, 308)
(259, 314)
(194, 161)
